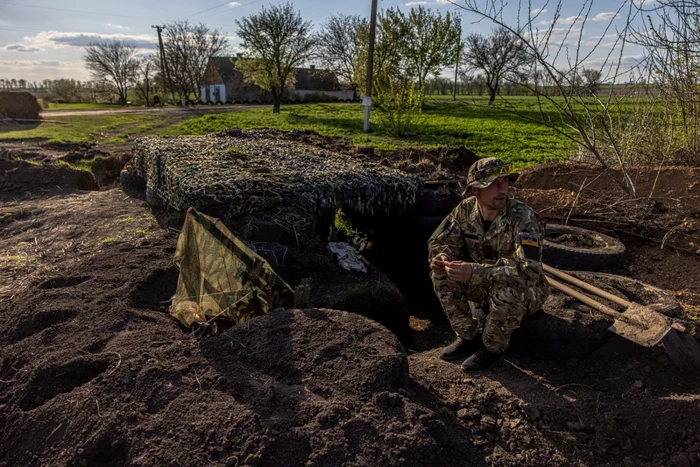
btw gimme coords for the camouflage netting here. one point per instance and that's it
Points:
(239, 173)
(19, 105)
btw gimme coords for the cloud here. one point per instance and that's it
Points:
(628, 61)
(118, 26)
(538, 11)
(605, 16)
(33, 63)
(423, 2)
(22, 48)
(232, 4)
(569, 19)
(37, 70)
(54, 39)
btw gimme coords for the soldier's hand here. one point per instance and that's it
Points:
(437, 264)
(458, 271)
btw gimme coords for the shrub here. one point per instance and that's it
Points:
(398, 103)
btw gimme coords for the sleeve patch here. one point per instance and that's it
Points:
(531, 246)
(529, 240)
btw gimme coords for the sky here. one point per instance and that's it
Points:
(42, 39)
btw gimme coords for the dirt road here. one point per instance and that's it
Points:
(194, 110)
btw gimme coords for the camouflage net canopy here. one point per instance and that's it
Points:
(256, 172)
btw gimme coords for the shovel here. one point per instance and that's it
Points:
(639, 324)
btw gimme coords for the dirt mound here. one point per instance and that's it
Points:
(94, 372)
(19, 105)
(311, 387)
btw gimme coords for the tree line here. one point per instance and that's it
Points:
(412, 50)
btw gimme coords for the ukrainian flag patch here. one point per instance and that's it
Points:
(529, 240)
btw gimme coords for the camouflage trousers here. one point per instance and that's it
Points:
(495, 306)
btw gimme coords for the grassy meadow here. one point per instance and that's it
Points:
(508, 130)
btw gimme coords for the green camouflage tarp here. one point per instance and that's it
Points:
(218, 272)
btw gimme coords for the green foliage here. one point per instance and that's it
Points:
(275, 41)
(398, 103)
(342, 224)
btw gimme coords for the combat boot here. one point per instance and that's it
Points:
(460, 348)
(482, 360)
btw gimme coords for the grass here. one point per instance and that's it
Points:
(488, 131)
(508, 130)
(82, 128)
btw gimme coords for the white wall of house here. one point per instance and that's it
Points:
(209, 93)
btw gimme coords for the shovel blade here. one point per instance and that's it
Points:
(649, 328)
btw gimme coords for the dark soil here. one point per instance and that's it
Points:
(93, 371)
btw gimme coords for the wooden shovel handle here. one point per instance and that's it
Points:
(586, 286)
(593, 304)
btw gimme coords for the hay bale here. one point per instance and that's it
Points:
(19, 105)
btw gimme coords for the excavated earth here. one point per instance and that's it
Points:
(93, 371)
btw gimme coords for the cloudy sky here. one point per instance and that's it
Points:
(42, 39)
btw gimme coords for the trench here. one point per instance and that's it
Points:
(397, 244)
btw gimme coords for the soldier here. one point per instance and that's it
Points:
(486, 261)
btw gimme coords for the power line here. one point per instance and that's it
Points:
(75, 11)
(223, 5)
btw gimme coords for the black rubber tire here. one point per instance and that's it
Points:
(608, 252)
(130, 179)
(561, 333)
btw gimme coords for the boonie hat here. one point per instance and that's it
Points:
(483, 172)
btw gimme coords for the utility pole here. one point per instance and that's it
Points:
(367, 101)
(164, 63)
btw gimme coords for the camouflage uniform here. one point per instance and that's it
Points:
(507, 281)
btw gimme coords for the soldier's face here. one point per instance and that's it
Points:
(495, 195)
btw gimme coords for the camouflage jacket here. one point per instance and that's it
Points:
(512, 246)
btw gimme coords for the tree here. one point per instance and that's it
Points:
(592, 79)
(589, 125)
(187, 50)
(65, 89)
(144, 85)
(671, 39)
(275, 41)
(340, 47)
(112, 61)
(498, 56)
(429, 41)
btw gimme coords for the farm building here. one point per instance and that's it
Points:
(225, 84)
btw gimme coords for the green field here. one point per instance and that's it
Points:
(84, 128)
(506, 130)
